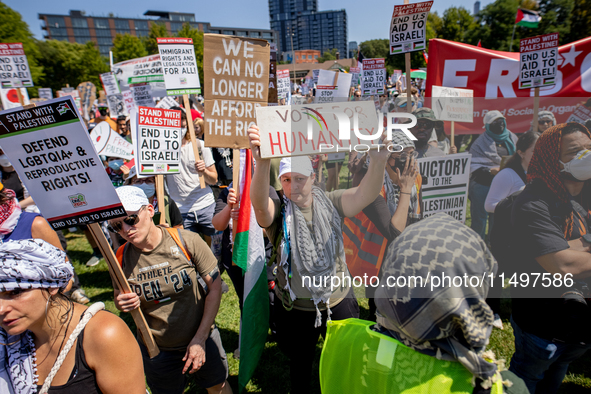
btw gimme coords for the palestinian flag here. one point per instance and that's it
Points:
(249, 254)
(527, 18)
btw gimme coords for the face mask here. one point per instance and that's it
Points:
(183, 132)
(148, 188)
(115, 164)
(4, 162)
(580, 166)
(497, 128)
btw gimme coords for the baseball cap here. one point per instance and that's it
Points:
(491, 116)
(132, 198)
(402, 100)
(300, 164)
(426, 113)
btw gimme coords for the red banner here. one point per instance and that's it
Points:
(494, 77)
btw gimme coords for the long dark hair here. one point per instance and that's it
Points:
(524, 142)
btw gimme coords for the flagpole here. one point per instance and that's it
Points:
(512, 36)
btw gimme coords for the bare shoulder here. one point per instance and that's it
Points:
(106, 326)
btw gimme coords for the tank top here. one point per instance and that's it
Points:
(23, 227)
(82, 379)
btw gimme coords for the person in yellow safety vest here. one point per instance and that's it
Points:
(399, 204)
(432, 334)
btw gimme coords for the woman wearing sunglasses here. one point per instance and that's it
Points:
(546, 120)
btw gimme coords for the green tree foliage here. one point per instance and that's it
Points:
(70, 63)
(329, 54)
(458, 25)
(126, 46)
(14, 29)
(156, 30)
(188, 32)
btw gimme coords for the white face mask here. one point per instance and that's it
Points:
(4, 162)
(183, 132)
(148, 188)
(580, 166)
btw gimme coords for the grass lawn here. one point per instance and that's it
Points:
(272, 374)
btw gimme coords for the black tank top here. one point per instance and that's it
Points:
(82, 379)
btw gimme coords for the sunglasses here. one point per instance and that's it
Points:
(131, 220)
(545, 121)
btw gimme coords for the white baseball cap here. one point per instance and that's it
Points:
(132, 198)
(300, 164)
(491, 116)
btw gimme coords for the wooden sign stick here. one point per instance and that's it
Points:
(536, 108)
(453, 142)
(191, 131)
(20, 97)
(407, 68)
(119, 278)
(235, 184)
(160, 197)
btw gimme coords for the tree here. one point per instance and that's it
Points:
(70, 63)
(457, 24)
(197, 36)
(156, 30)
(14, 29)
(126, 46)
(329, 54)
(580, 21)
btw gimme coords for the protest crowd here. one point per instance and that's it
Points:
(193, 191)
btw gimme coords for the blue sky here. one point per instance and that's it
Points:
(366, 19)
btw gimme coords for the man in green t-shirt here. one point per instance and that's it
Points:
(180, 311)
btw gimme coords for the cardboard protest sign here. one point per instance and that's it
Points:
(142, 95)
(141, 71)
(50, 150)
(283, 84)
(116, 105)
(14, 67)
(129, 101)
(445, 186)
(355, 74)
(272, 93)
(581, 115)
(374, 76)
(332, 86)
(158, 140)
(87, 93)
(108, 142)
(237, 72)
(45, 93)
(10, 98)
(179, 66)
(453, 104)
(407, 28)
(110, 85)
(538, 61)
(314, 128)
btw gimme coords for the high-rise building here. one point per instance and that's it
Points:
(81, 28)
(352, 49)
(300, 22)
(476, 7)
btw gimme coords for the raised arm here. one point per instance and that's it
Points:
(357, 198)
(259, 190)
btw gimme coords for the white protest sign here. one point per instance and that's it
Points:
(179, 65)
(110, 85)
(167, 102)
(129, 101)
(396, 74)
(285, 129)
(142, 95)
(581, 115)
(374, 76)
(145, 71)
(45, 93)
(538, 61)
(283, 84)
(10, 98)
(51, 151)
(108, 143)
(355, 73)
(315, 74)
(453, 104)
(332, 86)
(407, 28)
(14, 67)
(446, 184)
(158, 141)
(116, 105)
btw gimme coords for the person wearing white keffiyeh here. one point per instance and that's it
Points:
(36, 333)
(307, 232)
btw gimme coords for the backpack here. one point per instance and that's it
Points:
(175, 233)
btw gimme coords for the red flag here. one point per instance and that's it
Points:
(479, 44)
(426, 56)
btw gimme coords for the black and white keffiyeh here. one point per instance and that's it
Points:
(18, 369)
(393, 196)
(314, 254)
(33, 264)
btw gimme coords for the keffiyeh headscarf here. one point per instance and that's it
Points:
(449, 323)
(10, 212)
(27, 264)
